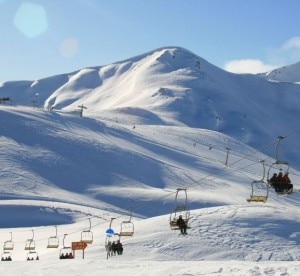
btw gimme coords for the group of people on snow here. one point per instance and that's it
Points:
(281, 183)
(114, 248)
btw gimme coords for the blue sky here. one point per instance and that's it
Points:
(41, 38)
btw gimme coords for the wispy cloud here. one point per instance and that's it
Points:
(292, 44)
(287, 53)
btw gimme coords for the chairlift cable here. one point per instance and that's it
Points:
(245, 157)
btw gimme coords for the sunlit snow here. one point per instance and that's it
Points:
(154, 123)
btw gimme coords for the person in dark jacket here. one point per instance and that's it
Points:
(273, 181)
(119, 248)
(114, 248)
(182, 225)
(279, 183)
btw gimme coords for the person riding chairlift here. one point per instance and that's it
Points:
(286, 183)
(182, 225)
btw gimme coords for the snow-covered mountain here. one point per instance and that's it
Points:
(289, 74)
(154, 123)
(172, 86)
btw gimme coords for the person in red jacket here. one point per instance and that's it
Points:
(286, 183)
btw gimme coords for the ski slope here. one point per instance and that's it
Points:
(41, 188)
(154, 123)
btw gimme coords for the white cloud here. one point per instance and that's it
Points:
(288, 53)
(252, 66)
(293, 43)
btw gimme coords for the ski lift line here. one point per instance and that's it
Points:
(221, 162)
(197, 182)
(58, 236)
(165, 196)
(216, 147)
(242, 158)
(187, 187)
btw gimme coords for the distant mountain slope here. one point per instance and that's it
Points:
(172, 86)
(289, 73)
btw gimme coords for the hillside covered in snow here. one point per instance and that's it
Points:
(152, 124)
(172, 86)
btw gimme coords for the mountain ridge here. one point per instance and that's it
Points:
(171, 86)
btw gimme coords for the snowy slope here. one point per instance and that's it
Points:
(172, 86)
(50, 176)
(289, 74)
(47, 155)
(234, 240)
(130, 152)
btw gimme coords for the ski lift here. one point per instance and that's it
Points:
(32, 255)
(53, 242)
(87, 235)
(180, 209)
(8, 245)
(6, 256)
(127, 228)
(278, 165)
(259, 189)
(30, 243)
(65, 252)
(110, 238)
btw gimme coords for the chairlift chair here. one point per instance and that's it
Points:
(87, 235)
(32, 256)
(113, 237)
(127, 228)
(6, 256)
(65, 252)
(278, 165)
(30, 243)
(259, 189)
(180, 209)
(259, 192)
(53, 242)
(9, 244)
